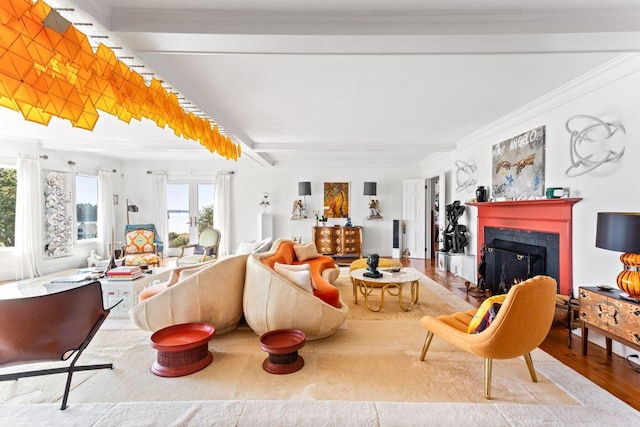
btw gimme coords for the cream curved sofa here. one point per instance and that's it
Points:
(210, 293)
(273, 302)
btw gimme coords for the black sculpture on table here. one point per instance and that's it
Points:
(454, 234)
(372, 271)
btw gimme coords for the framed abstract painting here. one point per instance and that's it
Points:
(58, 214)
(336, 199)
(518, 166)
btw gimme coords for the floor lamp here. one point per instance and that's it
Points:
(130, 208)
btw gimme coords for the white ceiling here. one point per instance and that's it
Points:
(347, 82)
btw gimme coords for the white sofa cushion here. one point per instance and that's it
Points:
(301, 277)
(297, 267)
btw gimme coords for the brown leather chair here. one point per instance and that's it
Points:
(51, 327)
(522, 323)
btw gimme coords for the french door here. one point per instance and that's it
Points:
(189, 211)
(413, 215)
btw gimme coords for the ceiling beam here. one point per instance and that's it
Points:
(351, 146)
(396, 22)
(214, 44)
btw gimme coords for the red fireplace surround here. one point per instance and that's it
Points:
(545, 216)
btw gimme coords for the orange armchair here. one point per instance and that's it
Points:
(521, 324)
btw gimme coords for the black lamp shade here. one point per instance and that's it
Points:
(619, 231)
(370, 188)
(132, 208)
(304, 189)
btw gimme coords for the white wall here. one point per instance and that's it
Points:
(57, 160)
(611, 93)
(249, 183)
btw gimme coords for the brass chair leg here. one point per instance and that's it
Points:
(427, 343)
(487, 378)
(532, 370)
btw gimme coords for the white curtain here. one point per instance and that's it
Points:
(29, 223)
(160, 208)
(106, 213)
(221, 211)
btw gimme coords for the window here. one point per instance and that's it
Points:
(8, 184)
(189, 210)
(87, 206)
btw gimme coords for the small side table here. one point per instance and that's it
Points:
(282, 345)
(604, 310)
(390, 283)
(182, 349)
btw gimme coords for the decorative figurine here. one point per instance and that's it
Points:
(297, 211)
(374, 208)
(348, 224)
(265, 201)
(372, 263)
(92, 261)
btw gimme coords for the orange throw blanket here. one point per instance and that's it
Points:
(324, 290)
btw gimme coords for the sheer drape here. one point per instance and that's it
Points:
(160, 207)
(221, 209)
(29, 224)
(106, 213)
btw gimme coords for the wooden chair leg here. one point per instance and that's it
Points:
(487, 377)
(532, 370)
(427, 343)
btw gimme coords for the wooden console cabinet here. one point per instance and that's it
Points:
(615, 318)
(338, 240)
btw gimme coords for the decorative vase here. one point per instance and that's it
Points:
(481, 194)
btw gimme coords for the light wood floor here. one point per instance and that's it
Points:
(614, 374)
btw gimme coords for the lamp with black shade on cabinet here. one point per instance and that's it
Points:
(370, 189)
(620, 231)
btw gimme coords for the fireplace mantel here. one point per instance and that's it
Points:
(544, 215)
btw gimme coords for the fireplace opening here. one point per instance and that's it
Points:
(517, 255)
(508, 263)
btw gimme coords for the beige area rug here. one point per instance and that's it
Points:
(368, 373)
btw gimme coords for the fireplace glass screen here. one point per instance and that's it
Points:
(508, 263)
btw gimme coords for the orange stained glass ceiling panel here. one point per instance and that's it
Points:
(48, 68)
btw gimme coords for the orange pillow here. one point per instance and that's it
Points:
(306, 251)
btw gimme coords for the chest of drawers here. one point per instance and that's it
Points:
(615, 318)
(338, 240)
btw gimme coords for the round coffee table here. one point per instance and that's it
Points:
(182, 349)
(390, 283)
